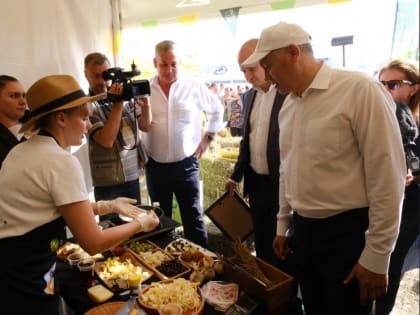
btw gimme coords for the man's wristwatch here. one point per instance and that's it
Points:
(209, 137)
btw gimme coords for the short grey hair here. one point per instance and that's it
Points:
(96, 59)
(307, 48)
(164, 46)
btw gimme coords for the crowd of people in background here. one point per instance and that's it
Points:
(332, 201)
(231, 97)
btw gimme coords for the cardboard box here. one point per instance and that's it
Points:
(279, 294)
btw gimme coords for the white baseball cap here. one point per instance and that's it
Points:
(277, 36)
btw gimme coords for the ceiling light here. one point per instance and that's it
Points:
(192, 3)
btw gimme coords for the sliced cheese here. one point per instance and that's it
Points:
(99, 293)
(134, 311)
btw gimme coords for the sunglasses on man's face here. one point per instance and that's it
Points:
(395, 84)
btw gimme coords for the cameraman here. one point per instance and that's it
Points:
(114, 159)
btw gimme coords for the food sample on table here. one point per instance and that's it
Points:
(161, 262)
(179, 291)
(180, 245)
(115, 271)
(99, 293)
(68, 248)
(202, 265)
(155, 258)
(170, 309)
(142, 246)
(220, 295)
(171, 268)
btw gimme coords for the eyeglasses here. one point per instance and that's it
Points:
(395, 84)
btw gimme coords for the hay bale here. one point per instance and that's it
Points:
(228, 142)
(214, 171)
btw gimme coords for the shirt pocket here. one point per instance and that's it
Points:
(322, 139)
(184, 112)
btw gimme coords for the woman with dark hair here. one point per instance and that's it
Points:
(401, 79)
(12, 109)
(42, 189)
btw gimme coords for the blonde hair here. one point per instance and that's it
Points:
(47, 121)
(411, 73)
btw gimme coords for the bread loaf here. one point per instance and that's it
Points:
(99, 293)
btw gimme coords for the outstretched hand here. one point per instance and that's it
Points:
(122, 205)
(148, 220)
(126, 206)
(371, 284)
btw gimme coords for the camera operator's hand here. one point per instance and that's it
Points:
(142, 102)
(114, 93)
(143, 113)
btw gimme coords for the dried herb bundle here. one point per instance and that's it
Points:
(248, 262)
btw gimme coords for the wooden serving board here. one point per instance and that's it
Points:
(159, 274)
(147, 273)
(111, 308)
(179, 245)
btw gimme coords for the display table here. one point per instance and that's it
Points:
(76, 297)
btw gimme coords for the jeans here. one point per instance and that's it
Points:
(182, 179)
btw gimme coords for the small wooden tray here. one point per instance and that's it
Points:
(180, 245)
(146, 272)
(158, 273)
(141, 246)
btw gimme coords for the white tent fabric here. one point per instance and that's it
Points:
(42, 37)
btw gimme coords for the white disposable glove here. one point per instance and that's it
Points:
(122, 205)
(148, 220)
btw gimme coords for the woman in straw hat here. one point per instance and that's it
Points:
(43, 189)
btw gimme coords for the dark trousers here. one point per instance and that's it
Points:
(326, 251)
(264, 204)
(129, 189)
(409, 229)
(235, 131)
(182, 179)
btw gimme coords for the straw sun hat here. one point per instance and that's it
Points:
(53, 93)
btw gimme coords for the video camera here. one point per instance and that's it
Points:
(131, 88)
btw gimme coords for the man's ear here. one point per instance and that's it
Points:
(293, 50)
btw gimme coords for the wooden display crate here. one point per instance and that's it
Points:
(279, 294)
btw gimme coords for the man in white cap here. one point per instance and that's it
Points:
(341, 184)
